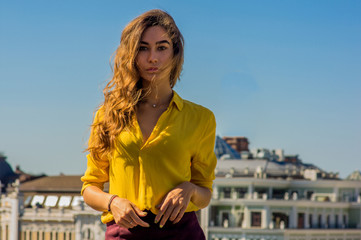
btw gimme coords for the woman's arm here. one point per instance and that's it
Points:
(125, 213)
(176, 201)
(201, 196)
(96, 198)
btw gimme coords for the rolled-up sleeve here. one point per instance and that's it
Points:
(204, 161)
(97, 172)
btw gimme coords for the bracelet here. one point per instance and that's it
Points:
(110, 201)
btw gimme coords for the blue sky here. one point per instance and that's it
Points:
(285, 74)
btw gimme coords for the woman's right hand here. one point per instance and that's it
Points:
(126, 214)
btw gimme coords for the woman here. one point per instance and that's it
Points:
(154, 148)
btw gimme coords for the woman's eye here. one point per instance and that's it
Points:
(142, 48)
(161, 48)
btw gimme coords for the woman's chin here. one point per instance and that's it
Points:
(150, 77)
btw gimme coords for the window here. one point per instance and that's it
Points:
(27, 201)
(88, 234)
(294, 195)
(309, 194)
(76, 201)
(255, 219)
(336, 221)
(261, 191)
(225, 219)
(241, 192)
(278, 193)
(227, 192)
(51, 201)
(301, 220)
(328, 221)
(280, 220)
(310, 220)
(320, 221)
(214, 216)
(64, 201)
(241, 219)
(38, 200)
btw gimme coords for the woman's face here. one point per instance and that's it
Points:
(154, 59)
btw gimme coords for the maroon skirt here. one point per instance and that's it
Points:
(186, 229)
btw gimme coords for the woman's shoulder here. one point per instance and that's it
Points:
(99, 114)
(197, 109)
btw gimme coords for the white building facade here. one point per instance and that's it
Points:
(260, 209)
(40, 210)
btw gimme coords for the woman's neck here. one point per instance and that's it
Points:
(157, 94)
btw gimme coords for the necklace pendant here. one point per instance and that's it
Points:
(154, 105)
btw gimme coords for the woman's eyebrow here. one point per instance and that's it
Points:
(163, 41)
(159, 42)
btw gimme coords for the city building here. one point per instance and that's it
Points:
(259, 194)
(48, 208)
(266, 195)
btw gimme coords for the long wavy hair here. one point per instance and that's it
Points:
(124, 90)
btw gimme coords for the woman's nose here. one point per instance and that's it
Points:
(153, 58)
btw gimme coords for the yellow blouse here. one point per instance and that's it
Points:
(180, 148)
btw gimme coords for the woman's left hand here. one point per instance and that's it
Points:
(175, 203)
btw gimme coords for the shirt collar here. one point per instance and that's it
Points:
(177, 100)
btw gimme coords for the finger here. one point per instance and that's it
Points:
(161, 203)
(162, 209)
(180, 214)
(175, 212)
(138, 211)
(133, 223)
(166, 215)
(124, 223)
(137, 221)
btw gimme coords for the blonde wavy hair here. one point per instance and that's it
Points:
(124, 90)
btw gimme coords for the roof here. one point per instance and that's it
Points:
(355, 176)
(221, 148)
(257, 165)
(61, 183)
(272, 168)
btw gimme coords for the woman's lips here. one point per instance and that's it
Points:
(151, 70)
